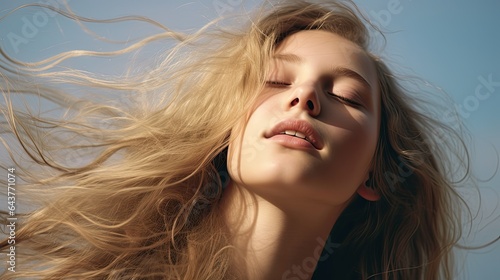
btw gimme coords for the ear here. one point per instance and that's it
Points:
(367, 191)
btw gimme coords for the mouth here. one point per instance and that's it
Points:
(297, 134)
(298, 129)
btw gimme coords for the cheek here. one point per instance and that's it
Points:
(234, 151)
(352, 148)
(246, 148)
(243, 147)
(365, 135)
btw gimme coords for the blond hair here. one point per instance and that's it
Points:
(143, 202)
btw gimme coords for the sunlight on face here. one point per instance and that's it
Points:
(314, 130)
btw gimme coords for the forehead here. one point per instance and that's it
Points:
(326, 49)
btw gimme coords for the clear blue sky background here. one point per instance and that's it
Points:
(451, 44)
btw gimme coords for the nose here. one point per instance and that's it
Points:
(306, 98)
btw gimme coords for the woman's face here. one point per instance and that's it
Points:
(323, 88)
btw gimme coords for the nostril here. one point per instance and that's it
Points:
(295, 101)
(310, 105)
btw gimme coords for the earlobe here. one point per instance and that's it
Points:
(367, 191)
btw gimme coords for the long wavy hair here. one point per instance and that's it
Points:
(141, 201)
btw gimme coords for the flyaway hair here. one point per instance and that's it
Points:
(123, 182)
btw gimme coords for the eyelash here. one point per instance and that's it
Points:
(341, 98)
(345, 99)
(277, 83)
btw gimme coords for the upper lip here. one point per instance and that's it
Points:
(312, 136)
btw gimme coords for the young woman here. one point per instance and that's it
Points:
(282, 150)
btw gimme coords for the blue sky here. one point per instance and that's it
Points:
(455, 45)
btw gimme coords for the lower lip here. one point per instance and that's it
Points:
(292, 142)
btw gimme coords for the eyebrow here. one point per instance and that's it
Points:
(336, 71)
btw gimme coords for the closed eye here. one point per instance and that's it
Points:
(345, 99)
(277, 83)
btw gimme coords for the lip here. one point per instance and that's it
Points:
(300, 126)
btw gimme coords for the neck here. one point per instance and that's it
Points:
(273, 241)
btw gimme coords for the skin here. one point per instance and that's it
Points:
(283, 201)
